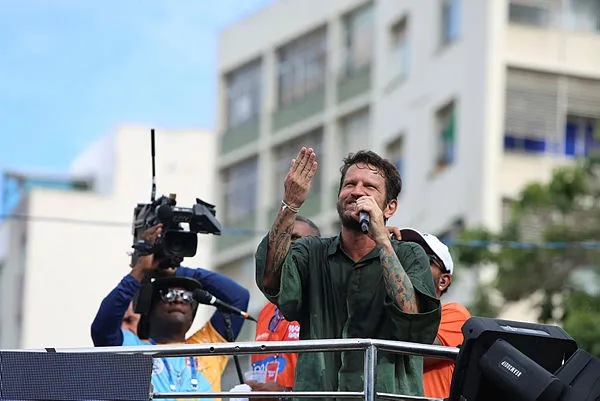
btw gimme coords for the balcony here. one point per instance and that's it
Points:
(239, 136)
(309, 106)
(353, 85)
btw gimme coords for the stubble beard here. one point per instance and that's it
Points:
(346, 219)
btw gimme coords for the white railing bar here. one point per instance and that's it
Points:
(262, 394)
(390, 396)
(433, 351)
(173, 350)
(370, 374)
(295, 394)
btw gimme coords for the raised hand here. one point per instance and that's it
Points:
(296, 186)
(297, 182)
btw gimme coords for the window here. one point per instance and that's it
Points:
(358, 39)
(529, 12)
(355, 132)
(289, 150)
(240, 190)
(450, 21)
(302, 65)
(244, 94)
(395, 153)
(446, 131)
(537, 106)
(581, 136)
(399, 52)
(568, 14)
(584, 15)
(531, 112)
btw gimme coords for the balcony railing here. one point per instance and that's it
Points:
(369, 346)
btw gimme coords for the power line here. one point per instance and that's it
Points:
(525, 245)
(68, 220)
(593, 245)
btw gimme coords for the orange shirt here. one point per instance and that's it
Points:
(437, 378)
(272, 326)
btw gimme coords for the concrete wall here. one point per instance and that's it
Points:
(554, 50)
(467, 72)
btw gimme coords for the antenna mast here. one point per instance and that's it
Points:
(153, 194)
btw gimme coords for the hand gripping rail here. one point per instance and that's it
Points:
(369, 346)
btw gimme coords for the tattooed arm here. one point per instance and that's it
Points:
(297, 184)
(397, 283)
(278, 246)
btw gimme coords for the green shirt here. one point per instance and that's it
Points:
(331, 296)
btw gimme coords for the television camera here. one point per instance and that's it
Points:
(174, 243)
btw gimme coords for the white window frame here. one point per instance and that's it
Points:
(244, 88)
(451, 21)
(240, 190)
(399, 49)
(358, 39)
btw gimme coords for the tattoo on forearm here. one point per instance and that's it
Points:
(397, 283)
(277, 247)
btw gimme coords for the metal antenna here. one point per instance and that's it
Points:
(153, 194)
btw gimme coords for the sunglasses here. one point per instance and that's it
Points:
(171, 295)
(437, 262)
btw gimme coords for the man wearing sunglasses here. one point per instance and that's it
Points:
(272, 326)
(172, 311)
(437, 373)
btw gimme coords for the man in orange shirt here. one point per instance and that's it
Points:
(437, 373)
(272, 326)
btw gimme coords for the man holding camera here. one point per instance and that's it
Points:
(172, 311)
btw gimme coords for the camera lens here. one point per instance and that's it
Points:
(181, 244)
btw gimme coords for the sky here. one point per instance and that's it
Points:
(71, 71)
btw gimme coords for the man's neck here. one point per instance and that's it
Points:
(161, 337)
(356, 244)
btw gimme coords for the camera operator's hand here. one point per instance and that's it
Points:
(147, 263)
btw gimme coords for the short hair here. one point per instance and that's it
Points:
(310, 223)
(393, 181)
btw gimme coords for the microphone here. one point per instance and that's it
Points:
(206, 298)
(364, 222)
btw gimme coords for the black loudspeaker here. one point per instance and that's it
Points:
(581, 375)
(504, 360)
(56, 376)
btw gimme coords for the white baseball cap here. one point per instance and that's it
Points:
(437, 247)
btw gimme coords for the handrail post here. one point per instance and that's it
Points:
(370, 372)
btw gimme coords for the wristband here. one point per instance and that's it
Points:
(285, 205)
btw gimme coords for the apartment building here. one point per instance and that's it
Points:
(470, 99)
(67, 244)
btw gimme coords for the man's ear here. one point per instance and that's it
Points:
(445, 281)
(390, 209)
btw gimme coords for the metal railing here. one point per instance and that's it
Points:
(369, 346)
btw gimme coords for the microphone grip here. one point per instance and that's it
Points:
(206, 298)
(364, 222)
